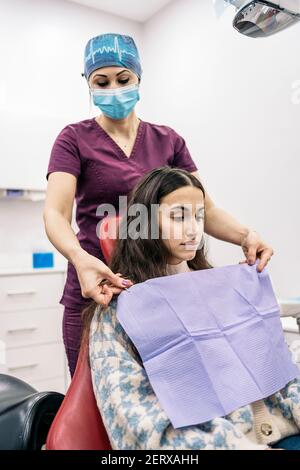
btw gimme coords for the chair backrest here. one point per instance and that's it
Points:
(78, 424)
(108, 235)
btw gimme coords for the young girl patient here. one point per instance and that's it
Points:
(131, 412)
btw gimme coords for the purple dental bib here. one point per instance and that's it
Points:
(211, 341)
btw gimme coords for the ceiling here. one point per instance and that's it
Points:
(137, 10)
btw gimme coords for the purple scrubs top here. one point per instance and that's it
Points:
(104, 173)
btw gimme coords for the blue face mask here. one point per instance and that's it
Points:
(116, 103)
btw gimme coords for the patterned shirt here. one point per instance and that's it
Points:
(135, 420)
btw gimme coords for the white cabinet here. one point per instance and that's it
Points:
(31, 328)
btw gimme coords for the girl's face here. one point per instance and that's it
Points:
(181, 222)
(112, 77)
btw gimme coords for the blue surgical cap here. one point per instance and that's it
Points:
(111, 49)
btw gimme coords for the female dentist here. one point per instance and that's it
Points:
(95, 161)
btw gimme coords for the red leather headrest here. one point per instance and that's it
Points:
(108, 235)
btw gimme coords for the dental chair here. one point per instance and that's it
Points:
(25, 414)
(78, 424)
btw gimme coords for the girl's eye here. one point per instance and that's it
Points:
(178, 217)
(181, 217)
(124, 81)
(102, 84)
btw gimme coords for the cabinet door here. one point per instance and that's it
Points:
(56, 384)
(31, 327)
(35, 363)
(30, 291)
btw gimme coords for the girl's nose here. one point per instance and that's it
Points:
(192, 228)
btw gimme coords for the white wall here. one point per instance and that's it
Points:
(230, 97)
(41, 91)
(41, 87)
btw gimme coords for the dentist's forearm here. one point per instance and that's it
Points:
(221, 225)
(62, 236)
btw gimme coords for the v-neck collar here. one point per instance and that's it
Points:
(120, 151)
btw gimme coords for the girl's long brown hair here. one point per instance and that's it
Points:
(145, 258)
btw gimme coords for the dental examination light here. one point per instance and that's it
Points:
(258, 19)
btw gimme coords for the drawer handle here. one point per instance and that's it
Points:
(21, 292)
(25, 366)
(22, 330)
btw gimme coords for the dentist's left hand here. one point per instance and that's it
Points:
(255, 248)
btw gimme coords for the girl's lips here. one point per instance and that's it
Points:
(190, 244)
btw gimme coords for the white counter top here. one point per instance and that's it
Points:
(21, 271)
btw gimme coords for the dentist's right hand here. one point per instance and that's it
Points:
(92, 272)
